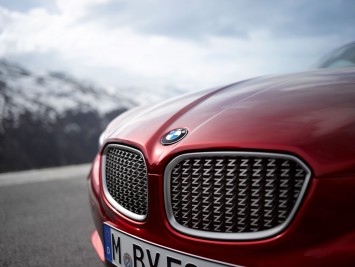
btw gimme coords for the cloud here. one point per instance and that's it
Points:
(230, 18)
(197, 44)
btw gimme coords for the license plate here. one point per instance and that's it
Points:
(125, 250)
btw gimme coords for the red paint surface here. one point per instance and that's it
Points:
(310, 115)
(97, 243)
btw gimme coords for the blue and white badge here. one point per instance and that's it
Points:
(174, 136)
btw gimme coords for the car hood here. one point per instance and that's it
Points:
(310, 115)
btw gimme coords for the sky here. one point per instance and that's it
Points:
(190, 45)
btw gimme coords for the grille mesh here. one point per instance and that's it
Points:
(234, 194)
(126, 179)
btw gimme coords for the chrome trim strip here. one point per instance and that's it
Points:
(230, 236)
(109, 198)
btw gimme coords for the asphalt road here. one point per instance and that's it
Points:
(46, 222)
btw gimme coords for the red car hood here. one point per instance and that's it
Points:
(311, 115)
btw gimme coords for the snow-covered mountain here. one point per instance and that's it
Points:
(51, 119)
(52, 94)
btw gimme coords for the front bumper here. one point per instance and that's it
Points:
(321, 234)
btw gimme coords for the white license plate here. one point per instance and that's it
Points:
(125, 250)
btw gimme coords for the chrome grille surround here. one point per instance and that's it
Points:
(125, 183)
(225, 206)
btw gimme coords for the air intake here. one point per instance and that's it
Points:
(125, 180)
(233, 195)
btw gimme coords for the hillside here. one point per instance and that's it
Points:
(51, 119)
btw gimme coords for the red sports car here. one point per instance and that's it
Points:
(257, 173)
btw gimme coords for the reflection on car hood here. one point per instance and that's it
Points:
(309, 114)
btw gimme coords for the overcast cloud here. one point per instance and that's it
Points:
(187, 44)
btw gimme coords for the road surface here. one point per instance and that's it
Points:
(45, 218)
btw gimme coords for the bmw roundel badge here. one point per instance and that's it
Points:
(174, 136)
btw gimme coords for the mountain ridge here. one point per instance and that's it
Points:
(51, 119)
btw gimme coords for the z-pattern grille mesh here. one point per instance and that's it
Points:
(234, 194)
(126, 179)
